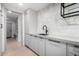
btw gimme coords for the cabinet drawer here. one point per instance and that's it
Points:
(73, 50)
(55, 49)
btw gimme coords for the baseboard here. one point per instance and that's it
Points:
(32, 50)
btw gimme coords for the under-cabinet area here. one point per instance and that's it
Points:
(50, 47)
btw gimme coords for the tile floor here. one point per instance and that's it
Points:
(16, 49)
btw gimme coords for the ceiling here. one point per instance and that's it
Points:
(12, 17)
(25, 6)
(21, 8)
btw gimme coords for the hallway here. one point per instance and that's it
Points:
(16, 49)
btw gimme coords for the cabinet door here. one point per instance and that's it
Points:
(42, 47)
(55, 49)
(32, 43)
(36, 45)
(27, 40)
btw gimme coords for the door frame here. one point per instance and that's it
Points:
(22, 34)
(4, 31)
(3, 28)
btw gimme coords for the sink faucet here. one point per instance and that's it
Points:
(45, 28)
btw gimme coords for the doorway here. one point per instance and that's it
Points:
(11, 30)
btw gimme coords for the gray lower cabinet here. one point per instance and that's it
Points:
(72, 50)
(41, 44)
(27, 40)
(55, 48)
(32, 40)
(36, 45)
(45, 47)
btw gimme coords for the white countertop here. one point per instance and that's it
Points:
(76, 39)
(65, 39)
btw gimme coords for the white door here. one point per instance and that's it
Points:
(55, 49)
(9, 29)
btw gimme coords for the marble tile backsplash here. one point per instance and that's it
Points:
(57, 25)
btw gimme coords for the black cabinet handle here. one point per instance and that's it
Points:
(75, 55)
(54, 44)
(76, 46)
(41, 37)
(54, 41)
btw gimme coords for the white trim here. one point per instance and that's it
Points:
(23, 36)
(20, 28)
(20, 36)
(3, 29)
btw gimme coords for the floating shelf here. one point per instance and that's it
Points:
(65, 13)
(69, 5)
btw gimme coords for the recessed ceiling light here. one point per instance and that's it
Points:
(20, 4)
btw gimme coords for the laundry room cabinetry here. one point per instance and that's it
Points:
(55, 48)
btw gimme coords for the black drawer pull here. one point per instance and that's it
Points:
(76, 46)
(35, 36)
(54, 41)
(41, 37)
(75, 55)
(54, 44)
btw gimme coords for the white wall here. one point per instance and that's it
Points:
(57, 25)
(20, 28)
(3, 42)
(0, 33)
(26, 23)
(30, 21)
(0, 29)
(14, 27)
